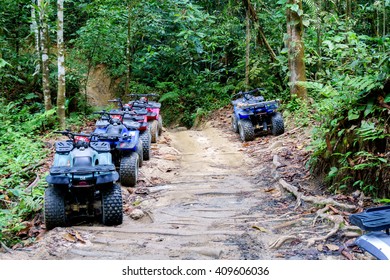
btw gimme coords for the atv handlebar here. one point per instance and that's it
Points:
(121, 113)
(138, 95)
(245, 93)
(71, 135)
(118, 100)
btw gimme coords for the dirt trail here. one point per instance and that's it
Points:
(202, 197)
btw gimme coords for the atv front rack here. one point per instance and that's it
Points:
(272, 104)
(57, 170)
(59, 175)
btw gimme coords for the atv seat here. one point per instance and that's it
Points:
(115, 129)
(139, 105)
(153, 104)
(373, 219)
(140, 110)
(131, 124)
(102, 123)
(152, 114)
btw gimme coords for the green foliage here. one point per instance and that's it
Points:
(20, 151)
(297, 111)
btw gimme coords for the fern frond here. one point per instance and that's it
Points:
(313, 6)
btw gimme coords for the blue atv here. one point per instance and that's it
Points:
(81, 183)
(252, 114)
(125, 144)
(376, 222)
(130, 115)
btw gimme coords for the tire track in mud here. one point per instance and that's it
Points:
(203, 197)
(201, 213)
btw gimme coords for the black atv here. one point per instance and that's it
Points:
(81, 184)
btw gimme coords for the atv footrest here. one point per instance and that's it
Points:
(373, 219)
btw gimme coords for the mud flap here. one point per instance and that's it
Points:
(376, 243)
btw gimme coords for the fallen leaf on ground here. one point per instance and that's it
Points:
(259, 228)
(170, 157)
(332, 247)
(69, 237)
(78, 236)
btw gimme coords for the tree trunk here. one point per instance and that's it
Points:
(35, 31)
(45, 57)
(296, 51)
(61, 65)
(128, 49)
(247, 54)
(348, 11)
(260, 37)
(384, 18)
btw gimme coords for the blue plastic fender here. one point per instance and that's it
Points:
(376, 243)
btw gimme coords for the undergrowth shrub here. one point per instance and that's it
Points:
(21, 150)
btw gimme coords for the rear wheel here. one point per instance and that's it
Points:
(54, 214)
(246, 130)
(146, 141)
(140, 152)
(128, 170)
(234, 123)
(112, 211)
(277, 124)
(154, 131)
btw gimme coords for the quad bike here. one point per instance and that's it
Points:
(81, 183)
(153, 112)
(376, 221)
(125, 144)
(252, 114)
(127, 115)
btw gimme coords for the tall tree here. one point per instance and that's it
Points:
(61, 65)
(35, 31)
(296, 49)
(247, 55)
(43, 8)
(130, 6)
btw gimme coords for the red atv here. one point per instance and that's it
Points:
(154, 117)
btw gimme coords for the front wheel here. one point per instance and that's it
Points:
(234, 123)
(112, 211)
(128, 170)
(245, 128)
(277, 124)
(146, 141)
(54, 214)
